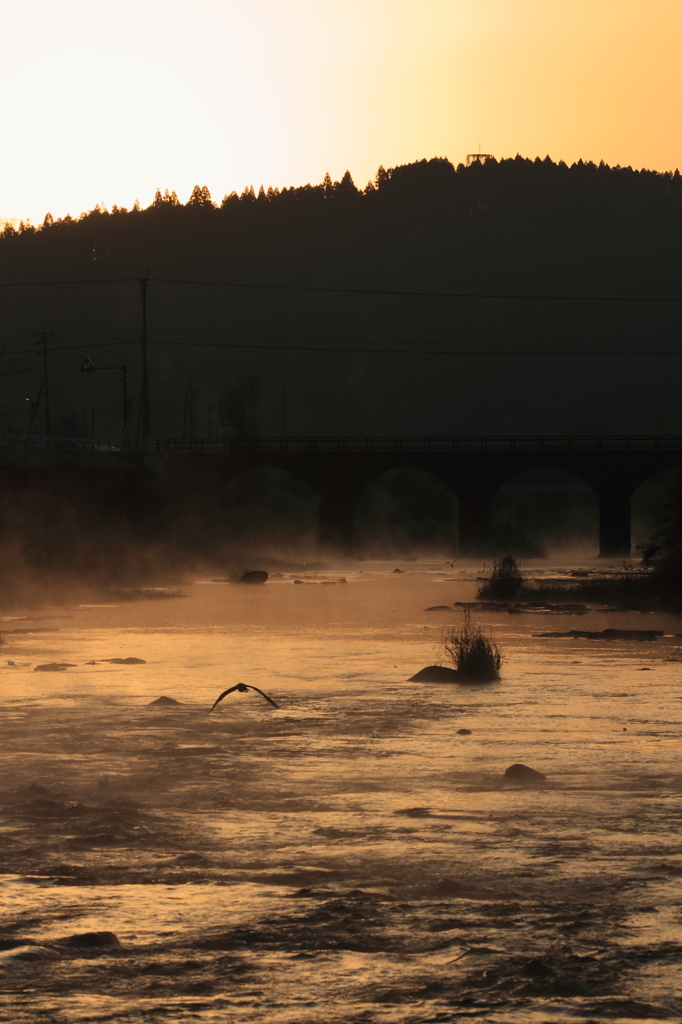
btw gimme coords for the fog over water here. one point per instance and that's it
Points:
(351, 856)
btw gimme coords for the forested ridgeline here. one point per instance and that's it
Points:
(553, 357)
(509, 224)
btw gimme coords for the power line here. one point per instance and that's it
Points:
(71, 334)
(429, 295)
(373, 351)
(428, 352)
(482, 348)
(503, 296)
(46, 284)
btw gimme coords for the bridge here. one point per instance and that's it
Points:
(336, 468)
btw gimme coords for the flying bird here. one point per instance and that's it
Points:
(242, 687)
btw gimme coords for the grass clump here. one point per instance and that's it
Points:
(505, 580)
(472, 653)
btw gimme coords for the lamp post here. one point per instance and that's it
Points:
(89, 367)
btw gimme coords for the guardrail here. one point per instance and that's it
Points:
(361, 445)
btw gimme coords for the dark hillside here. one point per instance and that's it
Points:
(512, 228)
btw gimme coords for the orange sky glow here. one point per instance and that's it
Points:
(105, 101)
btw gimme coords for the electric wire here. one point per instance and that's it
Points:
(502, 296)
(326, 349)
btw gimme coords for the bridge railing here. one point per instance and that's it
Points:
(361, 445)
(369, 445)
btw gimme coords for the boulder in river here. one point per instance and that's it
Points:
(255, 576)
(125, 661)
(522, 775)
(464, 732)
(54, 666)
(92, 940)
(164, 702)
(435, 674)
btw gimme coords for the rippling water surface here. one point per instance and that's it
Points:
(351, 856)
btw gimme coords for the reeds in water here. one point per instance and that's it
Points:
(473, 653)
(505, 581)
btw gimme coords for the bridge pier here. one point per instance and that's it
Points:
(336, 526)
(475, 514)
(614, 527)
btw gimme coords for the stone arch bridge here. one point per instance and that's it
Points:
(475, 468)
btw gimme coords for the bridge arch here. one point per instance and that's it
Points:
(648, 501)
(544, 509)
(476, 469)
(271, 509)
(403, 509)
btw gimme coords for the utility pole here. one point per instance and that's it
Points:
(43, 337)
(144, 398)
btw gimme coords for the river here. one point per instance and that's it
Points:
(351, 856)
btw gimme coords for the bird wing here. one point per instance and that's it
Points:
(224, 694)
(268, 699)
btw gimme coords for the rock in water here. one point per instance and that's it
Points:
(164, 702)
(522, 775)
(256, 576)
(435, 674)
(93, 940)
(642, 635)
(464, 732)
(125, 661)
(54, 666)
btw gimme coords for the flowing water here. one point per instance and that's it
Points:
(351, 856)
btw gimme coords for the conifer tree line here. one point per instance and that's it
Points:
(495, 183)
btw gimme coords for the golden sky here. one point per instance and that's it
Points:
(106, 100)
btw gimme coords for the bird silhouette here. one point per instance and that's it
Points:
(242, 688)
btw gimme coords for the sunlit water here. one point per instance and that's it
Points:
(349, 857)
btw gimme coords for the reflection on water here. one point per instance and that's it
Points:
(350, 856)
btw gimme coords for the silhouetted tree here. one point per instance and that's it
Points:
(165, 200)
(346, 186)
(200, 197)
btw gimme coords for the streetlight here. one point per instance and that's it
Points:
(89, 367)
